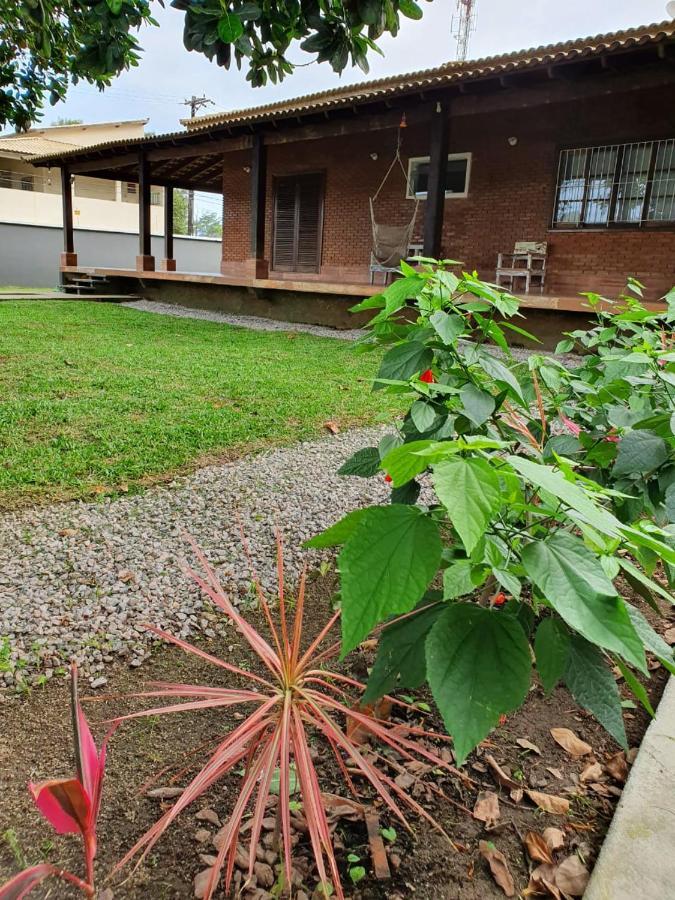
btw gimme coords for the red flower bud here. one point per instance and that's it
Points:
(388, 478)
(427, 377)
(499, 599)
(502, 719)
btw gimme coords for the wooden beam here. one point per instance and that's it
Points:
(168, 223)
(178, 150)
(145, 259)
(438, 164)
(258, 178)
(67, 206)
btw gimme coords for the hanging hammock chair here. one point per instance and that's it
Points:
(391, 242)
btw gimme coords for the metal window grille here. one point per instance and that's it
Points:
(616, 185)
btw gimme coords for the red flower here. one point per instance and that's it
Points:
(427, 377)
(499, 599)
(388, 478)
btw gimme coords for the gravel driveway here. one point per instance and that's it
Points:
(78, 580)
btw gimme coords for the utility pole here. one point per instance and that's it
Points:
(194, 103)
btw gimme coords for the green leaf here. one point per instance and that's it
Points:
(410, 9)
(639, 452)
(357, 873)
(640, 577)
(230, 28)
(508, 581)
(670, 502)
(592, 685)
(448, 326)
(634, 686)
(457, 580)
(497, 370)
(478, 405)
(478, 667)
(385, 566)
(651, 640)
(469, 490)
(397, 295)
(405, 360)
(337, 534)
(556, 484)
(574, 583)
(406, 493)
(400, 661)
(551, 649)
(365, 463)
(402, 463)
(423, 415)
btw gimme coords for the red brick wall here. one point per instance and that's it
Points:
(510, 194)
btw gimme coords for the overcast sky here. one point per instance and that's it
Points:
(168, 74)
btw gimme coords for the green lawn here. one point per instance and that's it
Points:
(97, 397)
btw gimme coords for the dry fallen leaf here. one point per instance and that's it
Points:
(516, 794)
(617, 766)
(572, 876)
(559, 806)
(332, 426)
(570, 742)
(498, 867)
(487, 808)
(592, 772)
(537, 848)
(541, 882)
(555, 772)
(528, 745)
(555, 838)
(500, 775)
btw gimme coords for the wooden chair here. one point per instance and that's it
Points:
(527, 262)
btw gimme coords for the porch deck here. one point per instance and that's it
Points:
(561, 302)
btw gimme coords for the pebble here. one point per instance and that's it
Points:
(61, 594)
(98, 682)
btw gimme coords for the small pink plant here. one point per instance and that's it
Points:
(295, 697)
(71, 806)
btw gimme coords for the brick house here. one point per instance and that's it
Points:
(571, 144)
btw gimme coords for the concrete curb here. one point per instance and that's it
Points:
(637, 859)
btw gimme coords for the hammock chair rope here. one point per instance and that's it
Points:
(390, 242)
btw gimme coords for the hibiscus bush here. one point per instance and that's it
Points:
(501, 546)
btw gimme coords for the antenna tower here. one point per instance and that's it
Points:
(463, 26)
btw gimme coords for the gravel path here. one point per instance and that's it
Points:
(78, 580)
(256, 323)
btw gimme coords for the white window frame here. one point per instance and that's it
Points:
(449, 195)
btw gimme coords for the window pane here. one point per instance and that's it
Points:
(571, 187)
(455, 176)
(632, 185)
(599, 191)
(662, 200)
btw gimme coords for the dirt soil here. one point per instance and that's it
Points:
(36, 744)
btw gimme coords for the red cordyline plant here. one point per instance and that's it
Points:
(71, 806)
(295, 696)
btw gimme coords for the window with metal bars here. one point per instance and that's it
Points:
(617, 185)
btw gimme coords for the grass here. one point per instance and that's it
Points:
(96, 398)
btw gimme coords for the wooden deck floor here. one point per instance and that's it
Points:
(562, 302)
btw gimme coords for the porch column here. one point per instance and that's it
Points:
(259, 265)
(168, 264)
(68, 257)
(438, 155)
(145, 261)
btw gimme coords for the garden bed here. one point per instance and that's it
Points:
(36, 742)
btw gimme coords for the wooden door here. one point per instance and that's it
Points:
(298, 221)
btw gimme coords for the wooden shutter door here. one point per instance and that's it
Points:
(298, 219)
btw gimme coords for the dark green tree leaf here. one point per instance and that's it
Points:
(385, 567)
(478, 667)
(405, 360)
(639, 452)
(651, 640)
(423, 415)
(337, 534)
(448, 326)
(230, 28)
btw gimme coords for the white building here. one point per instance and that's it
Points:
(32, 196)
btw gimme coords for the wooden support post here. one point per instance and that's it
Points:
(438, 163)
(145, 261)
(168, 264)
(68, 257)
(259, 264)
